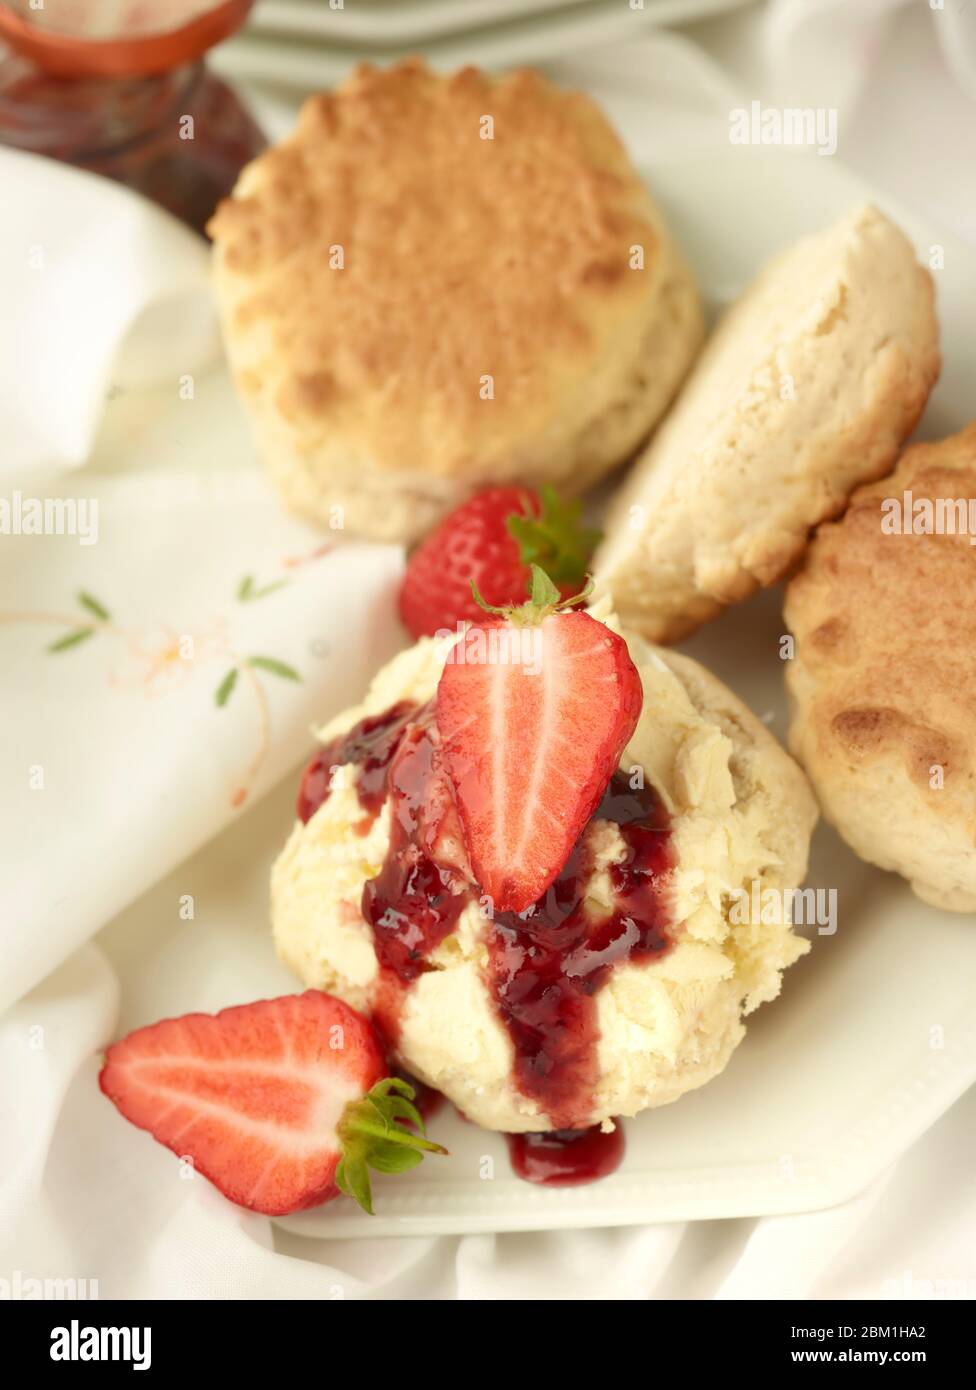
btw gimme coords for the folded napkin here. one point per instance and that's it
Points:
(158, 680)
(99, 288)
(819, 52)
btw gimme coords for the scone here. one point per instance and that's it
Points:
(440, 283)
(723, 815)
(808, 387)
(883, 679)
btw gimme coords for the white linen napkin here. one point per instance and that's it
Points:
(900, 75)
(99, 288)
(819, 52)
(157, 681)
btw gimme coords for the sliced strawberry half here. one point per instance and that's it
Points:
(531, 740)
(282, 1103)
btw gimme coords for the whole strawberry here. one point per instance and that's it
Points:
(282, 1104)
(493, 539)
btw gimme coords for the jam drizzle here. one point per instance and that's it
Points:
(370, 744)
(547, 964)
(415, 900)
(566, 1157)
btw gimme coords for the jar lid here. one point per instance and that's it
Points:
(125, 52)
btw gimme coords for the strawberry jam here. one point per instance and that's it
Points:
(547, 963)
(370, 744)
(415, 900)
(566, 1157)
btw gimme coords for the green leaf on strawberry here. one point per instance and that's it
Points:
(544, 599)
(555, 540)
(372, 1135)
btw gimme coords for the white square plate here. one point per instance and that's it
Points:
(873, 1036)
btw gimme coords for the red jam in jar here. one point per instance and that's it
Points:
(135, 106)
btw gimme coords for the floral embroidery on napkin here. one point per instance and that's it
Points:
(160, 660)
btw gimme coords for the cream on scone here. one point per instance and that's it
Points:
(808, 387)
(738, 816)
(884, 617)
(440, 283)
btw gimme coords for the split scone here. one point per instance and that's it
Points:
(629, 984)
(439, 283)
(884, 617)
(808, 387)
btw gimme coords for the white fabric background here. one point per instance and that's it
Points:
(67, 1207)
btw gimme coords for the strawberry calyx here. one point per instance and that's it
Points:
(555, 539)
(544, 599)
(372, 1134)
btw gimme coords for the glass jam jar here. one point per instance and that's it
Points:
(97, 84)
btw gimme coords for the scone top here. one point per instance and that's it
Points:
(432, 269)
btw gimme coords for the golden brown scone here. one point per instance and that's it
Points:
(489, 322)
(883, 684)
(808, 387)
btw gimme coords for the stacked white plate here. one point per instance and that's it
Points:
(309, 43)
